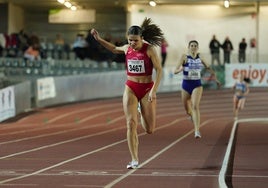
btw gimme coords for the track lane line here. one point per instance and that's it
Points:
(71, 140)
(85, 154)
(52, 121)
(60, 143)
(226, 160)
(66, 141)
(85, 109)
(114, 182)
(59, 132)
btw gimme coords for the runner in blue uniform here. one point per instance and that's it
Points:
(192, 89)
(241, 89)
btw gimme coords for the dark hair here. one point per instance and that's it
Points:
(193, 41)
(246, 79)
(150, 32)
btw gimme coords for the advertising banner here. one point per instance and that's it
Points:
(257, 73)
(7, 103)
(46, 88)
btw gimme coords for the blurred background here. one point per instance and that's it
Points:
(48, 57)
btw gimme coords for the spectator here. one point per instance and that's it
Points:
(33, 39)
(105, 54)
(93, 47)
(227, 47)
(164, 46)
(242, 51)
(32, 53)
(80, 47)
(23, 39)
(214, 47)
(11, 45)
(120, 58)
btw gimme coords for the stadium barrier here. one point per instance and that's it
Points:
(49, 82)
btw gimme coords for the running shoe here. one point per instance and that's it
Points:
(133, 165)
(197, 134)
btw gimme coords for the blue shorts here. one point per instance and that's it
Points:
(240, 97)
(190, 85)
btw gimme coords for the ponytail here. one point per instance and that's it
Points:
(149, 31)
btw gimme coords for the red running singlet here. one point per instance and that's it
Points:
(138, 63)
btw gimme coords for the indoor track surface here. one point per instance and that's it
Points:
(84, 145)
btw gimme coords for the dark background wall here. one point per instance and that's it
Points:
(3, 18)
(108, 22)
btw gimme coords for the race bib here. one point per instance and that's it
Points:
(136, 66)
(194, 73)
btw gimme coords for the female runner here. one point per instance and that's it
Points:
(192, 89)
(141, 59)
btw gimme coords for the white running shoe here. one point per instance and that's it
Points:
(133, 165)
(197, 134)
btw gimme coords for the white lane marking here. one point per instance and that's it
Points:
(20, 185)
(60, 143)
(66, 141)
(154, 156)
(86, 108)
(180, 173)
(61, 132)
(205, 110)
(61, 125)
(77, 186)
(52, 121)
(249, 176)
(61, 163)
(226, 160)
(81, 156)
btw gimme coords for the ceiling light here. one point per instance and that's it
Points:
(73, 8)
(68, 4)
(61, 1)
(152, 3)
(226, 3)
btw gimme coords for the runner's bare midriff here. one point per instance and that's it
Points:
(140, 79)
